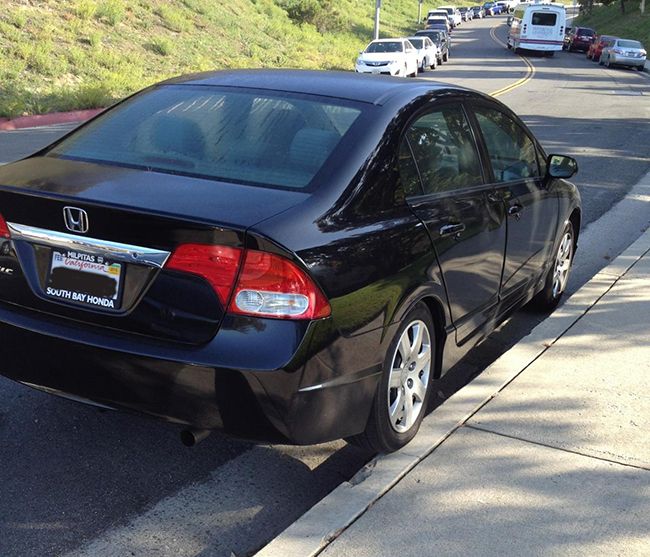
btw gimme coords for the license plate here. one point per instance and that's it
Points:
(86, 279)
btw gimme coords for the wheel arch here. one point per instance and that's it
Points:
(576, 218)
(436, 308)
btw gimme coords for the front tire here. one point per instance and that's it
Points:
(558, 275)
(404, 390)
(445, 57)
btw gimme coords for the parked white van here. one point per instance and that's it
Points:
(538, 27)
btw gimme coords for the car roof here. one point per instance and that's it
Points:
(373, 89)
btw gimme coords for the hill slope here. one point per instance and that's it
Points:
(68, 54)
(608, 20)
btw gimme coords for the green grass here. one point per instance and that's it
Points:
(70, 54)
(608, 20)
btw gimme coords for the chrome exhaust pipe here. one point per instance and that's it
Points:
(190, 437)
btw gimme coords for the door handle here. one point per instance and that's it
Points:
(449, 229)
(515, 210)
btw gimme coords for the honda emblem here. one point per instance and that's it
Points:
(76, 220)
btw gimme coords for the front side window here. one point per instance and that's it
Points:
(512, 153)
(444, 150)
(259, 138)
(544, 18)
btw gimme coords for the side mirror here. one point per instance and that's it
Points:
(560, 166)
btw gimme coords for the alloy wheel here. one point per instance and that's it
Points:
(563, 264)
(410, 373)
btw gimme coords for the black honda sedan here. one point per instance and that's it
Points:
(287, 255)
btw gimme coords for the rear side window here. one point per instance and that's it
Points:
(249, 137)
(512, 153)
(444, 151)
(543, 18)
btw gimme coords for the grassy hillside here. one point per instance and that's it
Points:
(69, 54)
(608, 20)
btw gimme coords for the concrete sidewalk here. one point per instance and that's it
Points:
(556, 462)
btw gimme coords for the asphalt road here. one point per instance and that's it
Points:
(71, 475)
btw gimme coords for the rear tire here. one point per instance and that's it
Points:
(558, 274)
(404, 390)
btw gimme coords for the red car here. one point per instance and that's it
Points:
(580, 38)
(596, 47)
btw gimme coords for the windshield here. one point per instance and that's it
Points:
(385, 47)
(630, 44)
(260, 138)
(417, 43)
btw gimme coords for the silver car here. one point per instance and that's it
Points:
(624, 52)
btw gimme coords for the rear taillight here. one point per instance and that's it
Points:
(272, 286)
(268, 285)
(216, 264)
(4, 229)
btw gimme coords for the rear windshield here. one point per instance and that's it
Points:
(544, 18)
(262, 138)
(417, 43)
(433, 35)
(630, 44)
(587, 32)
(437, 20)
(385, 47)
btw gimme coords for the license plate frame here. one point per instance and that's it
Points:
(85, 279)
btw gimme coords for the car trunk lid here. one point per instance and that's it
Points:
(91, 243)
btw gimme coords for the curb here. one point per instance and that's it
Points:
(327, 520)
(48, 119)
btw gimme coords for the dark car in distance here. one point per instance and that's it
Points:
(297, 256)
(580, 38)
(441, 39)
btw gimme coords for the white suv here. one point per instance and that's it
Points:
(390, 57)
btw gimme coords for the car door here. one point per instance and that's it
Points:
(411, 55)
(465, 223)
(532, 211)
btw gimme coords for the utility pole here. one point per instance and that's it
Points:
(420, 11)
(377, 9)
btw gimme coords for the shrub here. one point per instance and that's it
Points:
(161, 46)
(111, 11)
(85, 9)
(173, 19)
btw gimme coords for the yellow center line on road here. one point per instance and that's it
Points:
(529, 67)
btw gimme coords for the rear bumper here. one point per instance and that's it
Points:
(581, 45)
(304, 401)
(626, 60)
